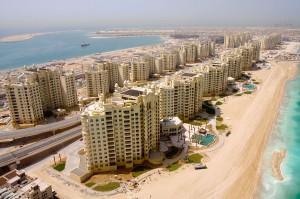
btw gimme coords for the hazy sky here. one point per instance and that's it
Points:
(65, 14)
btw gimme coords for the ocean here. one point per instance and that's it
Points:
(64, 45)
(285, 135)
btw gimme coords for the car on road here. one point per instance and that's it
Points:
(200, 166)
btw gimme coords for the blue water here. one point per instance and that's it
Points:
(251, 86)
(285, 135)
(64, 45)
(205, 140)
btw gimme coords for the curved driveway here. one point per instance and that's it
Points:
(39, 129)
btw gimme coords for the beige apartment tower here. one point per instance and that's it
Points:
(69, 92)
(215, 78)
(97, 81)
(24, 102)
(121, 131)
(139, 71)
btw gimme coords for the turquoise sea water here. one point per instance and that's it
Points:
(285, 135)
(63, 45)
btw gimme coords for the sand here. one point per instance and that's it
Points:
(234, 170)
(18, 38)
(277, 159)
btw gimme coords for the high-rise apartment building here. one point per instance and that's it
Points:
(255, 50)
(69, 92)
(247, 56)
(191, 53)
(235, 40)
(235, 64)
(122, 131)
(124, 74)
(151, 63)
(268, 42)
(97, 81)
(139, 71)
(205, 49)
(169, 60)
(215, 78)
(159, 65)
(24, 100)
(181, 95)
(181, 56)
(112, 69)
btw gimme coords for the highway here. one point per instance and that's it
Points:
(40, 146)
(6, 135)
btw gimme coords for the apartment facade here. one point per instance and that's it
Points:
(236, 40)
(69, 92)
(181, 96)
(269, 42)
(122, 131)
(25, 104)
(139, 71)
(235, 64)
(247, 56)
(215, 78)
(97, 81)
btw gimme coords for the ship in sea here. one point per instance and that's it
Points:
(83, 44)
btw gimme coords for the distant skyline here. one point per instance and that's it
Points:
(45, 15)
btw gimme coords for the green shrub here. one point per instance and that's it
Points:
(60, 167)
(248, 92)
(173, 167)
(194, 158)
(90, 184)
(107, 187)
(222, 127)
(220, 119)
(213, 99)
(219, 103)
(240, 94)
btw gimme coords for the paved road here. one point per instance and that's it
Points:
(6, 135)
(42, 145)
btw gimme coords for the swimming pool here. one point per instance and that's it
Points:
(251, 86)
(205, 139)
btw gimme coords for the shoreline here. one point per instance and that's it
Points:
(277, 158)
(256, 183)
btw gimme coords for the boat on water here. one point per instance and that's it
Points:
(83, 44)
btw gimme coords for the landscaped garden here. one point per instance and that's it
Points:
(194, 158)
(222, 127)
(173, 167)
(219, 103)
(107, 187)
(60, 167)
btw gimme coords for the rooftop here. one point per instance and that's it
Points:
(189, 74)
(170, 121)
(132, 92)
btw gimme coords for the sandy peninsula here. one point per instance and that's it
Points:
(18, 38)
(277, 159)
